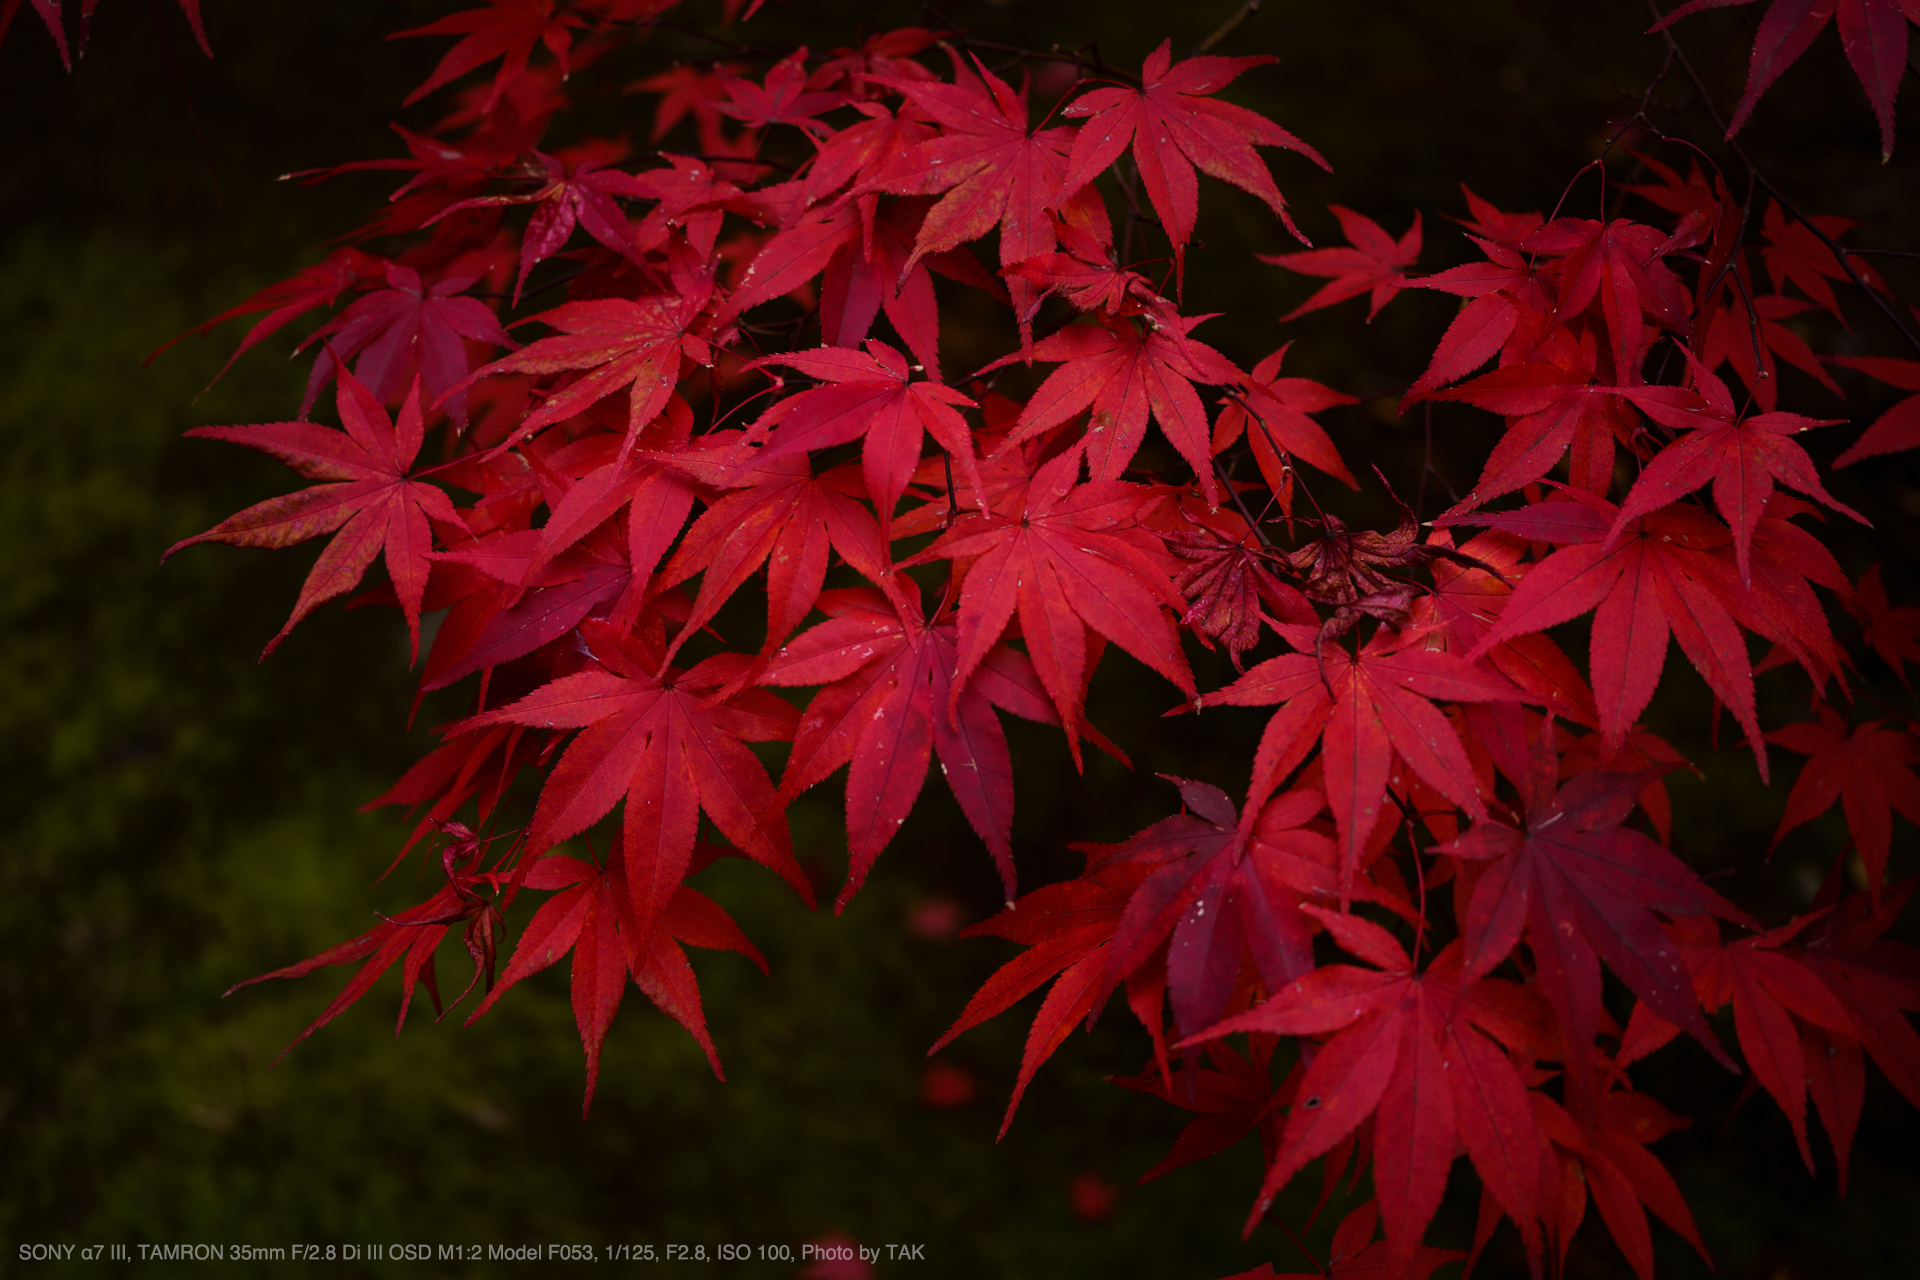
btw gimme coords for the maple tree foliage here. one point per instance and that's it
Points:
(1388, 952)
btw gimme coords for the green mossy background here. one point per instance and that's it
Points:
(178, 818)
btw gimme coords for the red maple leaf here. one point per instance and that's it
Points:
(1893, 633)
(409, 326)
(1742, 456)
(637, 344)
(1868, 769)
(1657, 578)
(591, 914)
(1222, 883)
(1229, 581)
(783, 516)
(1412, 1051)
(1469, 600)
(1121, 370)
(1364, 708)
(366, 496)
(784, 99)
(1277, 409)
(1873, 32)
(1174, 125)
(1490, 223)
(1088, 276)
(1896, 430)
(1552, 402)
(1067, 557)
(308, 289)
(1582, 889)
(1878, 981)
(1608, 1159)
(868, 396)
(580, 193)
(1616, 265)
(1500, 292)
(1794, 253)
(1066, 928)
(1374, 264)
(1730, 340)
(653, 735)
(889, 705)
(508, 31)
(993, 169)
(1773, 995)
(1231, 1097)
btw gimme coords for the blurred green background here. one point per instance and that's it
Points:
(179, 818)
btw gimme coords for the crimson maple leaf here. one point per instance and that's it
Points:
(785, 517)
(1121, 371)
(1730, 340)
(1067, 557)
(1868, 769)
(1229, 581)
(1794, 253)
(1608, 1159)
(1582, 889)
(1223, 882)
(1501, 292)
(591, 914)
(1878, 982)
(1742, 456)
(1374, 264)
(1364, 709)
(579, 194)
(1618, 265)
(870, 397)
(653, 735)
(409, 325)
(1273, 411)
(1413, 1051)
(1066, 928)
(1896, 430)
(617, 342)
(288, 300)
(991, 166)
(366, 496)
(1088, 276)
(1552, 402)
(1469, 598)
(1174, 125)
(1772, 994)
(890, 703)
(1657, 578)
(785, 98)
(1893, 633)
(508, 31)
(1873, 32)
(1231, 1097)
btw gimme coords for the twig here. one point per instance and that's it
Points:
(1227, 28)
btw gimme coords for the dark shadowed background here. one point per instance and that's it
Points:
(178, 818)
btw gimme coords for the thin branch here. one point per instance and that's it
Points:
(1227, 28)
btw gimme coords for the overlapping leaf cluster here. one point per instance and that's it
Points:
(732, 383)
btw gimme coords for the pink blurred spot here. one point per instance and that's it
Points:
(1093, 1198)
(945, 1087)
(936, 919)
(842, 1259)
